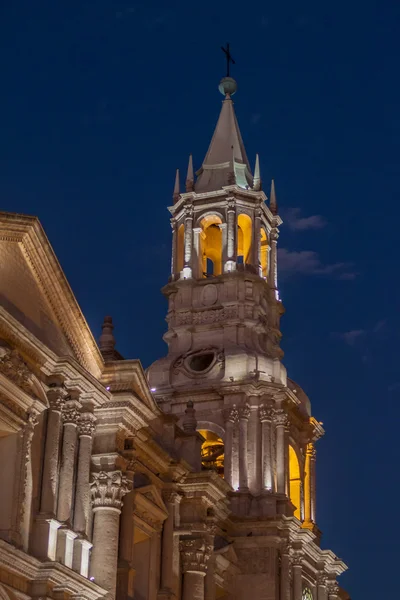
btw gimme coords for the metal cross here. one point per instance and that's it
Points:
(229, 58)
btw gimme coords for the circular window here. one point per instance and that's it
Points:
(307, 594)
(201, 362)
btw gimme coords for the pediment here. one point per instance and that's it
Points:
(153, 495)
(35, 292)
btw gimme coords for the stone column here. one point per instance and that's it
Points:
(107, 490)
(67, 471)
(257, 241)
(281, 422)
(333, 590)
(187, 263)
(174, 247)
(56, 397)
(230, 417)
(244, 413)
(195, 554)
(297, 561)
(25, 493)
(154, 563)
(82, 512)
(313, 494)
(285, 578)
(322, 593)
(231, 249)
(197, 259)
(167, 559)
(266, 442)
(309, 504)
(273, 268)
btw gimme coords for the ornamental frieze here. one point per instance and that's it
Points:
(16, 370)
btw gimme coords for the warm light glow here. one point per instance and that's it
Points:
(212, 451)
(244, 235)
(211, 245)
(295, 482)
(264, 253)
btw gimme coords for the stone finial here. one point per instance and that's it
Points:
(190, 176)
(177, 186)
(107, 339)
(257, 176)
(273, 205)
(189, 422)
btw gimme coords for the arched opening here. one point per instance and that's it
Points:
(244, 235)
(180, 248)
(264, 253)
(295, 482)
(211, 246)
(212, 452)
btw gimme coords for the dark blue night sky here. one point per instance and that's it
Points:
(101, 101)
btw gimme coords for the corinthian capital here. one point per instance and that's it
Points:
(57, 397)
(265, 413)
(86, 423)
(333, 587)
(230, 414)
(311, 451)
(281, 418)
(195, 554)
(108, 488)
(70, 412)
(244, 412)
(296, 558)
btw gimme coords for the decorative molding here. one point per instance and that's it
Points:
(265, 413)
(195, 554)
(230, 414)
(281, 419)
(108, 489)
(70, 412)
(16, 370)
(244, 412)
(86, 423)
(57, 396)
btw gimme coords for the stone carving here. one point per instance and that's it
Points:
(244, 412)
(209, 295)
(195, 554)
(57, 397)
(108, 488)
(205, 317)
(254, 560)
(311, 451)
(265, 412)
(183, 318)
(321, 578)
(280, 418)
(297, 558)
(170, 496)
(86, 423)
(15, 369)
(231, 414)
(70, 412)
(333, 588)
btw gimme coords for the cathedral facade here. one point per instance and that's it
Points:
(194, 480)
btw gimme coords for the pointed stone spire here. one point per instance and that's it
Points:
(190, 176)
(226, 141)
(189, 422)
(272, 199)
(176, 187)
(257, 177)
(107, 339)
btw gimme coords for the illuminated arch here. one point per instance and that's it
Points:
(244, 236)
(180, 248)
(211, 245)
(264, 253)
(295, 482)
(212, 451)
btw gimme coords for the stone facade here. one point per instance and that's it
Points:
(193, 481)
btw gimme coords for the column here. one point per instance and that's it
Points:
(285, 575)
(126, 572)
(56, 397)
(244, 413)
(107, 490)
(321, 586)
(187, 266)
(231, 246)
(297, 560)
(70, 417)
(313, 490)
(82, 512)
(333, 589)
(154, 563)
(25, 495)
(195, 554)
(273, 269)
(197, 259)
(266, 447)
(281, 422)
(224, 233)
(257, 241)
(167, 559)
(174, 248)
(231, 416)
(309, 484)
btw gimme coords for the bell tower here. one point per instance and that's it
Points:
(224, 356)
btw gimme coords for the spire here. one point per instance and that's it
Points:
(226, 153)
(257, 177)
(272, 199)
(176, 187)
(190, 175)
(107, 341)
